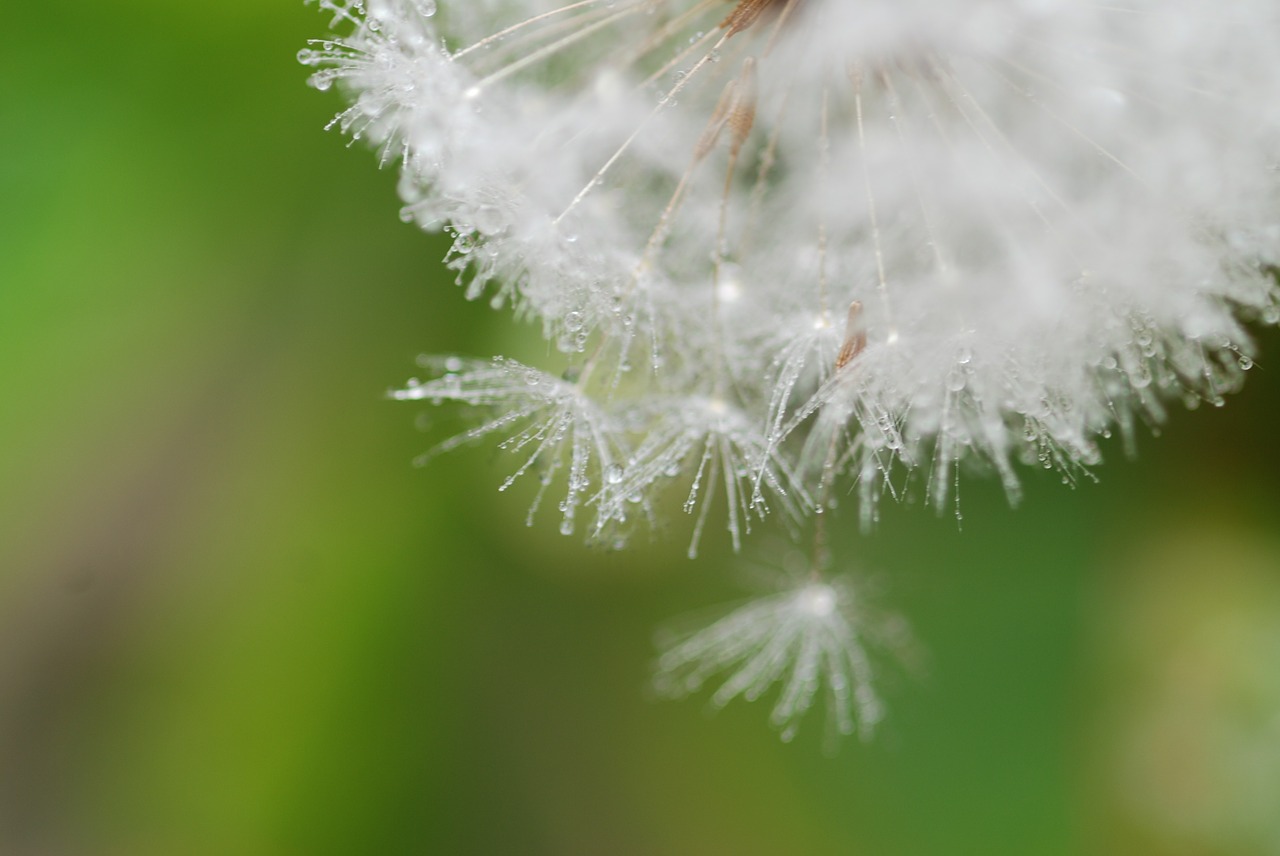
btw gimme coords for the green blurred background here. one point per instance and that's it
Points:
(235, 620)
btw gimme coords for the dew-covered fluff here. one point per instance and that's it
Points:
(1026, 222)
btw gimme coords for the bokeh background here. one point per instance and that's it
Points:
(235, 620)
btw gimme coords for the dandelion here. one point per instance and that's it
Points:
(795, 247)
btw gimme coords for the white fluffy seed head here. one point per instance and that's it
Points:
(789, 244)
(1052, 214)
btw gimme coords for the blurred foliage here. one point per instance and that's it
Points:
(233, 619)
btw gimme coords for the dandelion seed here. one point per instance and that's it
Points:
(545, 420)
(808, 638)
(718, 444)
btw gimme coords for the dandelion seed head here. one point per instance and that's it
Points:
(1031, 180)
(1055, 219)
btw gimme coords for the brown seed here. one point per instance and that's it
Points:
(736, 110)
(855, 336)
(747, 12)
